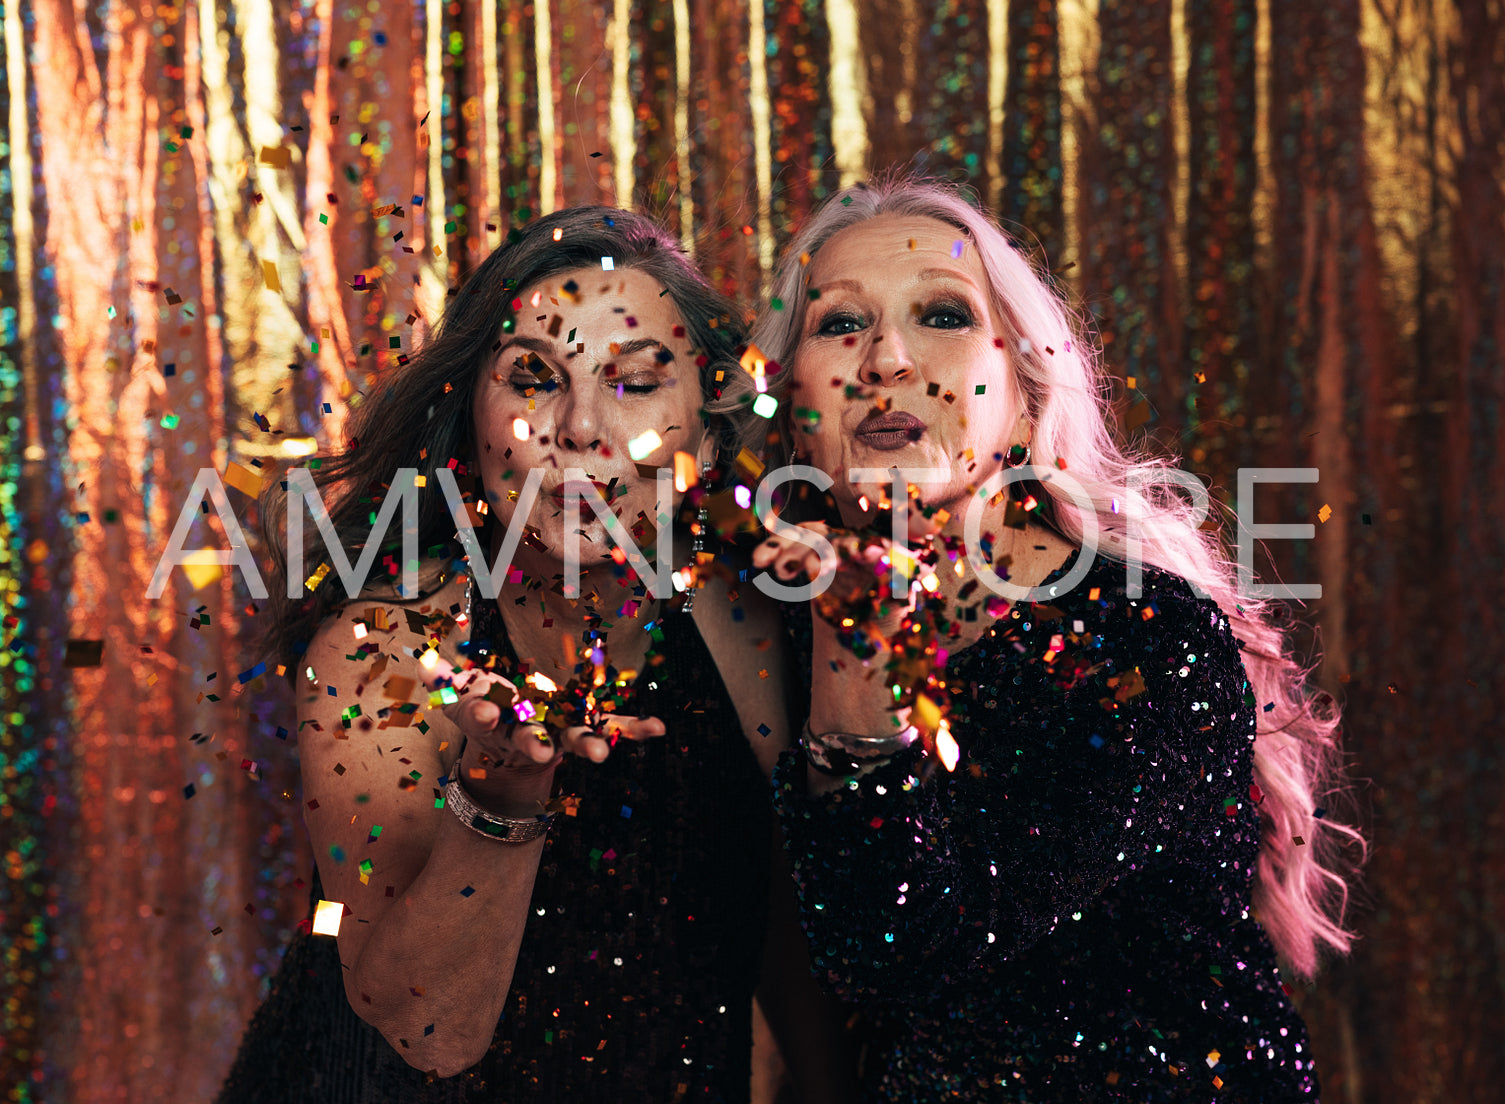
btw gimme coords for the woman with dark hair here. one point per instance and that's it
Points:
(554, 881)
(1058, 815)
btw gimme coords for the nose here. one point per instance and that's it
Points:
(579, 423)
(887, 361)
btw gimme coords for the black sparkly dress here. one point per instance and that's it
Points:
(1066, 917)
(636, 972)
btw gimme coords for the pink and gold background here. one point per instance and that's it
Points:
(1285, 217)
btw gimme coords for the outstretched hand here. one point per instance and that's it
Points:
(503, 736)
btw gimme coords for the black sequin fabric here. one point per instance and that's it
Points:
(636, 972)
(1067, 916)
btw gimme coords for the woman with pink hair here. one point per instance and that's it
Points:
(1056, 813)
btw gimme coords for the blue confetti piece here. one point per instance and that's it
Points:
(764, 730)
(467, 891)
(281, 733)
(627, 811)
(189, 791)
(247, 676)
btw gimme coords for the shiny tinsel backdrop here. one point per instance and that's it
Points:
(222, 221)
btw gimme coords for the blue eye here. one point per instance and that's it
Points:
(947, 316)
(839, 324)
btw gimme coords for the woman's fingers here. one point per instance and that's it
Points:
(594, 742)
(787, 559)
(535, 742)
(503, 742)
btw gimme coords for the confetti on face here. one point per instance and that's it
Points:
(641, 446)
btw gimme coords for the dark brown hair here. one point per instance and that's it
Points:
(420, 415)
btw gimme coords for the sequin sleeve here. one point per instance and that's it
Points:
(1128, 742)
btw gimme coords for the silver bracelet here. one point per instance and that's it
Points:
(500, 828)
(846, 753)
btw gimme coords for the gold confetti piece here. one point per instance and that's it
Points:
(946, 747)
(399, 688)
(327, 918)
(202, 568)
(749, 464)
(1324, 513)
(313, 581)
(243, 479)
(685, 475)
(279, 157)
(643, 445)
(269, 274)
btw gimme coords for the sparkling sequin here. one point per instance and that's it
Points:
(1075, 923)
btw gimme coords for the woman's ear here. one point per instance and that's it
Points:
(705, 455)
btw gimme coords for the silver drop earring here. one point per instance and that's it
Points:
(697, 539)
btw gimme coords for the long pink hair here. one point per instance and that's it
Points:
(1300, 891)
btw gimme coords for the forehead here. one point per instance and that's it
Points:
(600, 298)
(896, 246)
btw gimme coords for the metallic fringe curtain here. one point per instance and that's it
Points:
(221, 222)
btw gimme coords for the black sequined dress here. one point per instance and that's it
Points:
(1067, 916)
(636, 972)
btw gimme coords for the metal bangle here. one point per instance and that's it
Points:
(500, 828)
(846, 753)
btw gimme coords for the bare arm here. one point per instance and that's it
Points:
(436, 921)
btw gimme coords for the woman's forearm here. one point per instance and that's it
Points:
(436, 968)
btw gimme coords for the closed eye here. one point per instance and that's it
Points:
(531, 373)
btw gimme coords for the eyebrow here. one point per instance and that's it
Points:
(639, 344)
(535, 344)
(946, 273)
(924, 274)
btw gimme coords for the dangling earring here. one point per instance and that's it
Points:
(1017, 456)
(697, 539)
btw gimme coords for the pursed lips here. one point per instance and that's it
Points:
(889, 430)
